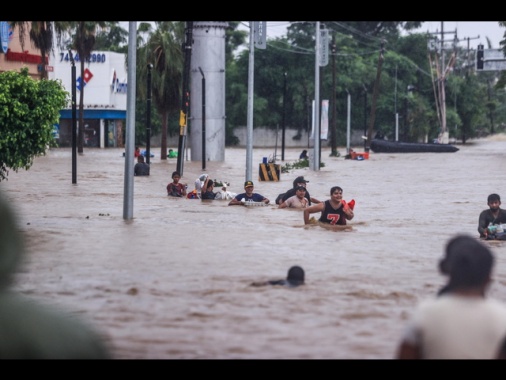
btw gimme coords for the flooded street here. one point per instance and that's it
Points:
(174, 282)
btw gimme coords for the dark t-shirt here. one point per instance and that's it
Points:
(175, 190)
(255, 197)
(333, 216)
(486, 218)
(141, 168)
(208, 195)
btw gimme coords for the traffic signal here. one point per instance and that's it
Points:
(479, 58)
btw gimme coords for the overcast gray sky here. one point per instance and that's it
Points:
(476, 31)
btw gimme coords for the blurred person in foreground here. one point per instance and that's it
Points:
(461, 322)
(28, 328)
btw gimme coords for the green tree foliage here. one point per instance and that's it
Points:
(114, 38)
(42, 34)
(28, 110)
(502, 80)
(163, 50)
(408, 83)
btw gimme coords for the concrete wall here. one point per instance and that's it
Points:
(266, 138)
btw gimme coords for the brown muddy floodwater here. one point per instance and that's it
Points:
(174, 282)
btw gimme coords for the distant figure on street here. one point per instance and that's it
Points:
(303, 155)
(141, 167)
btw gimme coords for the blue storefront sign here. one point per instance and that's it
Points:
(4, 35)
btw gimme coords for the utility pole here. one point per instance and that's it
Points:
(74, 124)
(185, 95)
(333, 136)
(284, 120)
(316, 114)
(441, 79)
(203, 119)
(395, 108)
(468, 64)
(148, 115)
(375, 97)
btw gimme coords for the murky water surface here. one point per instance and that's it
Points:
(174, 282)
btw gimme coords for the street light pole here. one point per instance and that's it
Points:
(148, 115)
(74, 123)
(203, 119)
(284, 119)
(333, 130)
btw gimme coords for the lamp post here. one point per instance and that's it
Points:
(203, 119)
(284, 119)
(74, 123)
(365, 116)
(409, 91)
(148, 115)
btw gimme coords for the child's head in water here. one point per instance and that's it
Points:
(295, 276)
(176, 176)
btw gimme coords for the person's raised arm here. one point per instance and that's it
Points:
(311, 210)
(235, 201)
(348, 212)
(483, 224)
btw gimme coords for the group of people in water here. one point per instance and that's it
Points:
(334, 211)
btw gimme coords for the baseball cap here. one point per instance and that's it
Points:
(248, 184)
(300, 180)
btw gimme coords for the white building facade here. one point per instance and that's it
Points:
(105, 97)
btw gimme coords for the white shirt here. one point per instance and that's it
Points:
(457, 327)
(295, 202)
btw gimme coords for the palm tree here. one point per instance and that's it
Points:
(163, 50)
(83, 41)
(42, 35)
